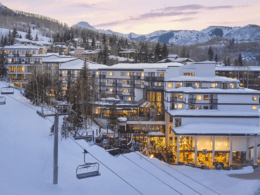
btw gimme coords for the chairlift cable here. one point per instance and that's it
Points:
(106, 166)
(150, 173)
(177, 171)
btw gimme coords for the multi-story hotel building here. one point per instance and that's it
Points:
(201, 117)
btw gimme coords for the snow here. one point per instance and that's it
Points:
(34, 32)
(77, 64)
(26, 167)
(207, 79)
(156, 134)
(238, 68)
(21, 46)
(213, 90)
(227, 129)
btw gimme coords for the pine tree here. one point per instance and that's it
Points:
(240, 62)
(210, 54)
(228, 62)
(216, 58)
(36, 38)
(93, 44)
(113, 118)
(29, 35)
(164, 51)
(157, 51)
(236, 62)
(3, 69)
(183, 52)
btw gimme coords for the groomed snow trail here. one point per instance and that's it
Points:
(26, 157)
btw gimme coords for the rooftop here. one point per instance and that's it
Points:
(207, 79)
(77, 64)
(217, 129)
(21, 46)
(237, 68)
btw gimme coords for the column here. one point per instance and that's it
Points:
(148, 146)
(255, 150)
(178, 148)
(196, 149)
(231, 150)
(213, 150)
(247, 148)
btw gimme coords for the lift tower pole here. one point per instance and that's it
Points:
(56, 111)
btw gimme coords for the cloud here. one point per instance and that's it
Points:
(184, 19)
(193, 7)
(146, 16)
(85, 5)
(184, 10)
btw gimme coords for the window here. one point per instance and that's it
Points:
(34, 52)
(198, 107)
(232, 85)
(123, 82)
(10, 60)
(10, 52)
(199, 97)
(76, 72)
(180, 106)
(177, 122)
(20, 69)
(213, 85)
(97, 73)
(32, 59)
(197, 85)
(128, 74)
(123, 73)
(180, 96)
(111, 89)
(160, 74)
(142, 74)
(192, 107)
(64, 72)
(205, 107)
(12, 69)
(241, 84)
(106, 81)
(206, 97)
(169, 85)
(189, 74)
(171, 119)
(254, 107)
(129, 99)
(254, 98)
(142, 83)
(177, 85)
(188, 84)
(159, 84)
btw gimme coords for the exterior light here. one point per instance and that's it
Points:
(151, 156)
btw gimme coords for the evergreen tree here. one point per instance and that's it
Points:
(36, 38)
(210, 54)
(93, 44)
(3, 69)
(240, 62)
(236, 62)
(29, 35)
(113, 118)
(183, 52)
(216, 58)
(228, 62)
(164, 51)
(157, 51)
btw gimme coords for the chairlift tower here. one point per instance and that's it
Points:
(56, 111)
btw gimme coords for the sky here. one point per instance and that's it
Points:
(145, 16)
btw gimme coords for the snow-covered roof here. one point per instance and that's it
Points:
(237, 68)
(122, 119)
(190, 113)
(213, 90)
(90, 52)
(175, 60)
(77, 64)
(120, 59)
(57, 59)
(219, 129)
(205, 79)
(21, 46)
(142, 66)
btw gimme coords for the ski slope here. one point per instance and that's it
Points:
(26, 165)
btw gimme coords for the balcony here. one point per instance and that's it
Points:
(119, 84)
(137, 77)
(153, 87)
(16, 55)
(174, 99)
(102, 76)
(137, 86)
(103, 84)
(28, 55)
(209, 101)
(119, 92)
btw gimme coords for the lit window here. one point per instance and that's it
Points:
(197, 85)
(76, 72)
(241, 84)
(160, 74)
(254, 107)
(189, 74)
(142, 83)
(198, 107)
(206, 97)
(129, 99)
(123, 82)
(106, 81)
(128, 74)
(169, 85)
(213, 85)
(20, 69)
(96, 72)
(254, 98)
(177, 85)
(142, 74)
(123, 90)
(199, 97)
(111, 74)
(34, 52)
(10, 60)
(64, 72)
(111, 89)
(180, 96)
(32, 59)
(10, 52)
(175, 106)
(179, 106)
(159, 84)
(232, 85)
(40, 59)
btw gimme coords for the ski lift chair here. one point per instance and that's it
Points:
(88, 169)
(7, 90)
(2, 100)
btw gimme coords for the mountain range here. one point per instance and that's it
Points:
(189, 37)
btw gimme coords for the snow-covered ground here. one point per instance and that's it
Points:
(26, 157)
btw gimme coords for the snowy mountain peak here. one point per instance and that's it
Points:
(84, 25)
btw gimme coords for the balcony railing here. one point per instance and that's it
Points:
(103, 84)
(119, 84)
(155, 87)
(174, 99)
(28, 55)
(209, 101)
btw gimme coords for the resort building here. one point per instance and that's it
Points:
(199, 117)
